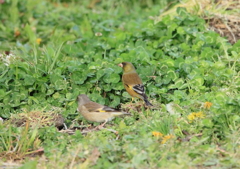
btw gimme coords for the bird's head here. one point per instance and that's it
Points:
(82, 99)
(127, 66)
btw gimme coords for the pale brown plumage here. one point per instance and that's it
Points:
(96, 112)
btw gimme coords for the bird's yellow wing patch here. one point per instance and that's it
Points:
(106, 109)
(101, 110)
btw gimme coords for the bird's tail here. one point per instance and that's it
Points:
(119, 113)
(146, 101)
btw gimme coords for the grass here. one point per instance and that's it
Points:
(220, 16)
(52, 51)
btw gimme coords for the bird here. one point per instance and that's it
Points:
(133, 83)
(96, 112)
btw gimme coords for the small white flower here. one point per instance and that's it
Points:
(7, 58)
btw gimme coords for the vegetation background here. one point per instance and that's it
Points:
(51, 51)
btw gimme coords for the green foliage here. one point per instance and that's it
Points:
(29, 164)
(179, 52)
(55, 56)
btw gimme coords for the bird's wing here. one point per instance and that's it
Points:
(139, 89)
(107, 109)
(95, 107)
(112, 111)
(133, 81)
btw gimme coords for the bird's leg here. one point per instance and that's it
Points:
(100, 126)
(132, 100)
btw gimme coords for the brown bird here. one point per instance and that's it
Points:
(132, 82)
(96, 112)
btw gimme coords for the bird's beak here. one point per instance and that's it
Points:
(120, 65)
